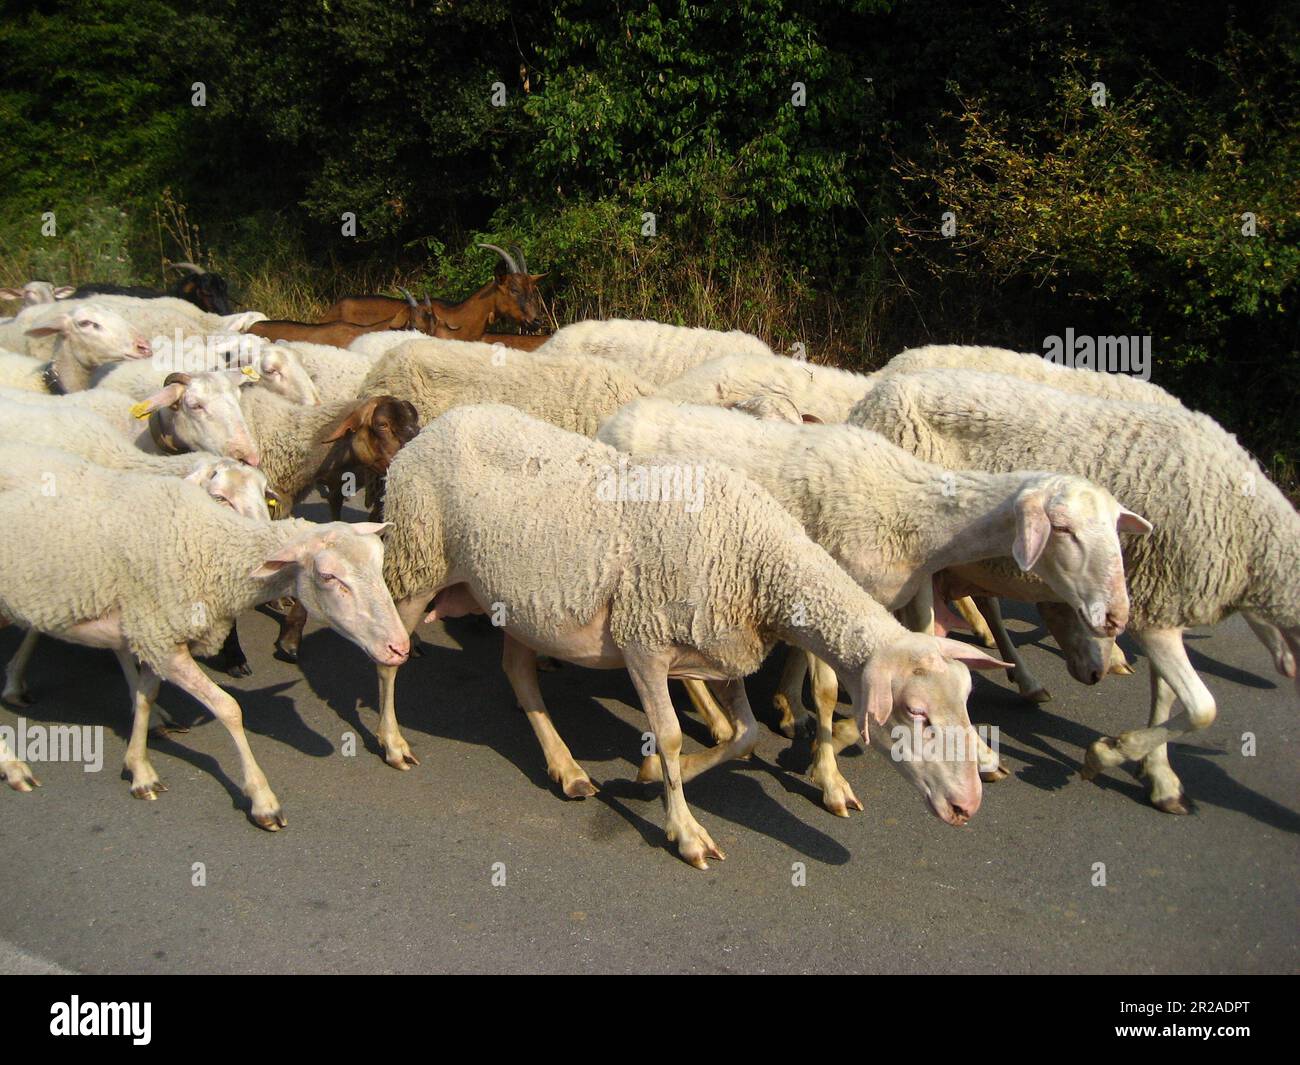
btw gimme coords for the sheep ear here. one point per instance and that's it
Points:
(57, 325)
(168, 397)
(972, 656)
(12, 294)
(1033, 528)
(812, 419)
(199, 474)
(879, 696)
(291, 554)
(1132, 523)
(375, 528)
(63, 292)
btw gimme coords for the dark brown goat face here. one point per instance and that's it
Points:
(517, 296)
(208, 292)
(379, 427)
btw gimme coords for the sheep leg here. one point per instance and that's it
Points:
(397, 752)
(144, 684)
(788, 700)
(289, 638)
(1030, 687)
(970, 613)
(1269, 635)
(185, 673)
(13, 772)
(1169, 663)
(520, 664)
(744, 737)
(837, 795)
(649, 673)
(1164, 788)
(707, 707)
(334, 496)
(15, 691)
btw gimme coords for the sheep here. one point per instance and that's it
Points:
(1226, 538)
(821, 392)
(665, 588)
(336, 372)
(655, 352)
(230, 483)
(190, 412)
(1086, 659)
(1029, 367)
(304, 445)
(77, 340)
(36, 292)
(21, 372)
(574, 392)
(167, 316)
(271, 367)
(375, 344)
(118, 590)
(892, 521)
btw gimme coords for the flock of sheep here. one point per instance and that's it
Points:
(629, 495)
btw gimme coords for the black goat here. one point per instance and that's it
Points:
(208, 292)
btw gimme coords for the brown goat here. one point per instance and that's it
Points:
(398, 313)
(518, 341)
(337, 334)
(366, 440)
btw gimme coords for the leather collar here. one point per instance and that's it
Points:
(51, 378)
(166, 443)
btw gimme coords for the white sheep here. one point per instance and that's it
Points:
(117, 589)
(190, 412)
(574, 392)
(492, 509)
(1029, 367)
(1225, 539)
(336, 372)
(892, 521)
(22, 372)
(655, 352)
(821, 392)
(165, 316)
(271, 367)
(384, 340)
(233, 484)
(75, 343)
(34, 292)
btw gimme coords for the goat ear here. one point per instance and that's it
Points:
(1132, 523)
(349, 423)
(534, 278)
(972, 656)
(1033, 528)
(168, 397)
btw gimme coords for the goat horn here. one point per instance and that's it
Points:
(187, 266)
(510, 262)
(523, 263)
(409, 298)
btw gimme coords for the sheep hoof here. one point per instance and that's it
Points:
(1093, 762)
(1038, 695)
(286, 654)
(993, 775)
(581, 788)
(150, 790)
(240, 669)
(272, 821)
(696, 848)
(398, 755)
(19, 777)
(1176, 804)
(18, 700)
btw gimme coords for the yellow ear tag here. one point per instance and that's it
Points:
(140, 410)
(250, 373)
(272, 503)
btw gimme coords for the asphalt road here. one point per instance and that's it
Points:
(381, 871)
